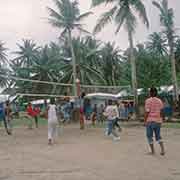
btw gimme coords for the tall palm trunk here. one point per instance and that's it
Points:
(133, 69)
(113, 75)
(174, 77)
(73, 62)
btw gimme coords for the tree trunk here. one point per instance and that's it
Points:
(174, 77)
(133, 71)
(73, 62)
(113, 75)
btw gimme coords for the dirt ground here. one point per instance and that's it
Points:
(87, 155)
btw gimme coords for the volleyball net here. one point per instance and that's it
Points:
(33, 89)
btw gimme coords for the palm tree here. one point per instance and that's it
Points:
(87, 64)
(157, 45)
(152, 67)
(167, 22)
(3, 69)
(67, 18)
(177, 54)
(111, 62)
(27, 53)
(47, 67)
(3, 55)
(122, 13)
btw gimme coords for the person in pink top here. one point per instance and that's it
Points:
(153, 120)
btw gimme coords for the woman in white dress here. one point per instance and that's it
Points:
(52, 121)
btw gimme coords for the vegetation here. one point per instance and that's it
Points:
(167, 22)
(92, 61)
(122, 14)
(68, 18)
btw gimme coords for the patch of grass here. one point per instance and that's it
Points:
(172, 125)
(17, 122)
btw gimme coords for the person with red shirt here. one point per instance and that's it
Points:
(31, 114)
(37, 112)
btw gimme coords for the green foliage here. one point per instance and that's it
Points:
(3, 55)
(122, 13)
(67, 17)
(152, 70)
(97, 63)
(3, 65)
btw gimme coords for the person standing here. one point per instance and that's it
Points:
(31, 115)
(1, 112)
(94, 115)
(8, 118)
(116, 122)
(153, 120)
(111, 112)
(87, 109)
(67, 110)
(100, 113)
(52, 121)
(37, 111)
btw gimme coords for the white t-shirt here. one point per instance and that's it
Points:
(52, 113)
(111, 112)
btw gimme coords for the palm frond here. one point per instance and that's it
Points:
(131, 22)
(56, 23)
(82, 16)
(99, 2)
(84, 31)
(120, 18)
(104, 20)
(155, 3)
(54, 14)
(140, 9)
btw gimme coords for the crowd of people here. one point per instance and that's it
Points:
(95, 112)
(111, 112)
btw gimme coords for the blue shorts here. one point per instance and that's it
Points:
(153, 128)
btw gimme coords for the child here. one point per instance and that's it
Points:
(153, 120)
(111, 112)
(52, 121)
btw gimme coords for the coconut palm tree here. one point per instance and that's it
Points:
(3, 62)
(3, 55)
(27, 53)
(87, 64)
(67, 17)
(47, 67)
(157, 45)
(122, 13)
(111, 62)
(167, 22)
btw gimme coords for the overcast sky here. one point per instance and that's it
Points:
(26, 19)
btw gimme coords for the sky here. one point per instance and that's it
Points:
(26, 19)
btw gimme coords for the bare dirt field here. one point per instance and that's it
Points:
(87, 155)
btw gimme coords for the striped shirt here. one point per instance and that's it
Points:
(154, 107)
